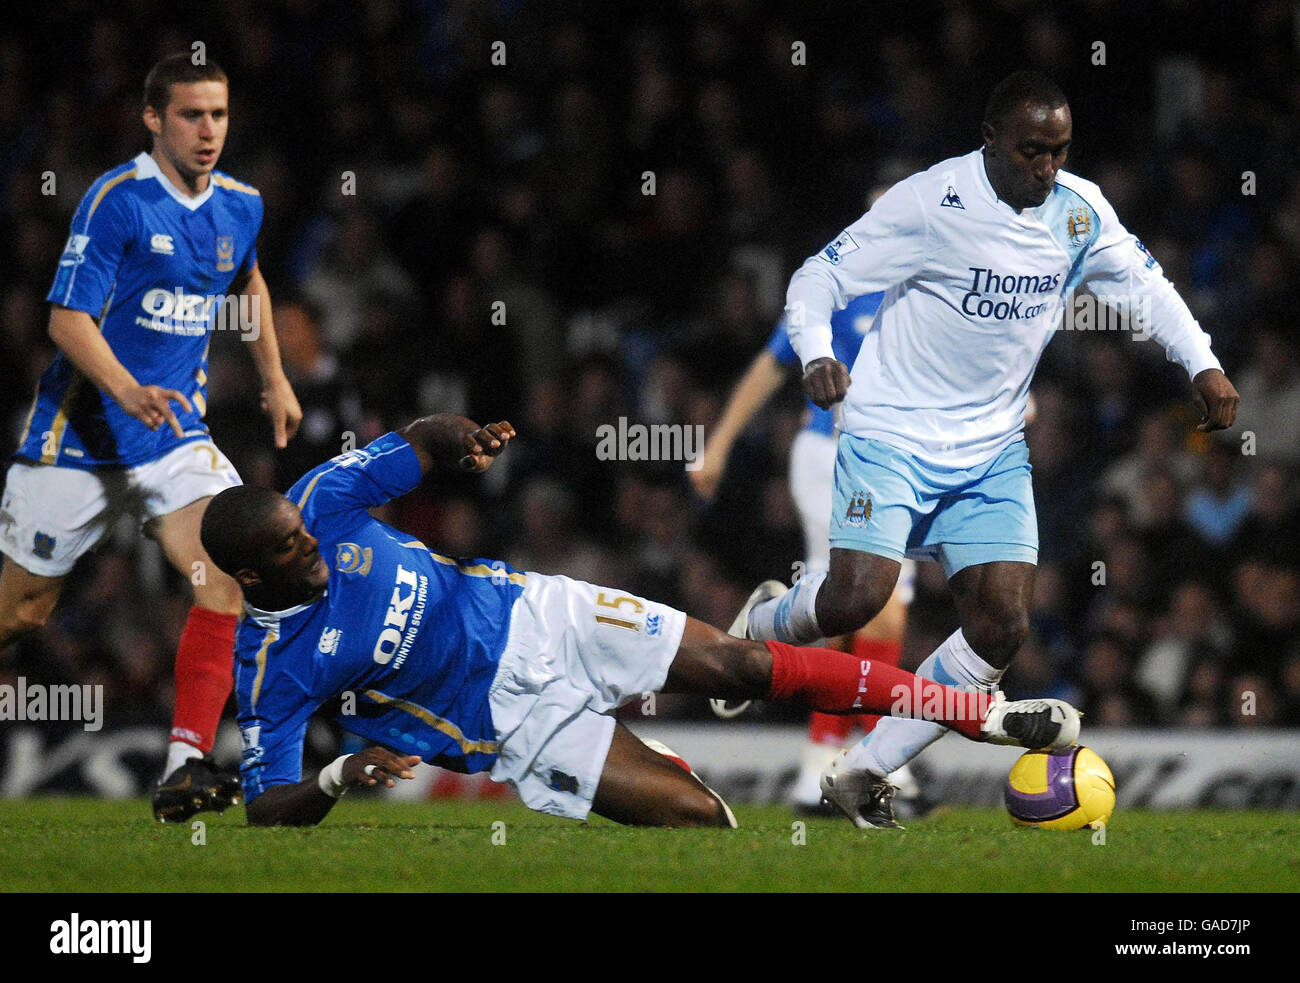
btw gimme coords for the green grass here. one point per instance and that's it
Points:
(370, 845)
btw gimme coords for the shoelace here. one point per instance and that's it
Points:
(882, 791)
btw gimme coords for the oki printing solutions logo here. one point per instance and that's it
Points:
(177, 312)
(403, 617)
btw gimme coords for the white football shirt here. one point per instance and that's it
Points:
(974, 292)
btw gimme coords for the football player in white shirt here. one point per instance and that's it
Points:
(979, 256)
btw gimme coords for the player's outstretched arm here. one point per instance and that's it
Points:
(760, 381)
(79, 338)
(446, 440)
(308, 802)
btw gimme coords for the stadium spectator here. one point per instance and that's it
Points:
(1192, 628)
(332, 418)
(1220, 502)
(1161, 442)
(1272, 384)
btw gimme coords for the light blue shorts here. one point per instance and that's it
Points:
(889, 503)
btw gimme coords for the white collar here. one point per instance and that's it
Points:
(267, 618)
(146, 167)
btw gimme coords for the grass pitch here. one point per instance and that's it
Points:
(367, 844)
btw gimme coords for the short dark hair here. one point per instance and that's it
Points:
(234, 524)
(174, 70)
(1019, 88)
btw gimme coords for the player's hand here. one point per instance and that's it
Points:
(706, 474)
(281, 405)
(826, 381)
(152, 406)
(377, 765)
(1217, 399)
(485, 443)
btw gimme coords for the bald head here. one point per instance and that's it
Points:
(238, 525)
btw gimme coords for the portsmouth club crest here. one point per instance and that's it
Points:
(225, 254)
(351, 558)
(1078, 224)
(859, 510)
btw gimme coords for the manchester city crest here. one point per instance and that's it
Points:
(1078, 224)
(859, 510)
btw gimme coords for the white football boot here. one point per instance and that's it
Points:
(1033, 724)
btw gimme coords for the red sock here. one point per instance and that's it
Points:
(204, 676)
(835, 728)
(836, 682)
(877, 650)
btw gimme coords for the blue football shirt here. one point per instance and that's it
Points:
(402, 648)
(152, 267)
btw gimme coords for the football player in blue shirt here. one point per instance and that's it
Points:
(473, 666)
(162, 251)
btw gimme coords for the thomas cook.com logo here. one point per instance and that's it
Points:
(651, 442)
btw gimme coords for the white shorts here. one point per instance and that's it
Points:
(575, 653)
(51, 516)
(812, 486)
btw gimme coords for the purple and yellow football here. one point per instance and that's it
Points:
(1064, 788)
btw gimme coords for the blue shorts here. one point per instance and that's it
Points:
(888, 503)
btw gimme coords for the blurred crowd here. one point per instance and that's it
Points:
(566, 213)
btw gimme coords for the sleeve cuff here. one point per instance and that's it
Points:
(818, 346)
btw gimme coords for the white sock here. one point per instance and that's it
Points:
(895, 740)
(792, 617)
(178, 752)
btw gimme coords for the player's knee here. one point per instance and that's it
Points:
(697, 807)
(844, 607)
(997, 635)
